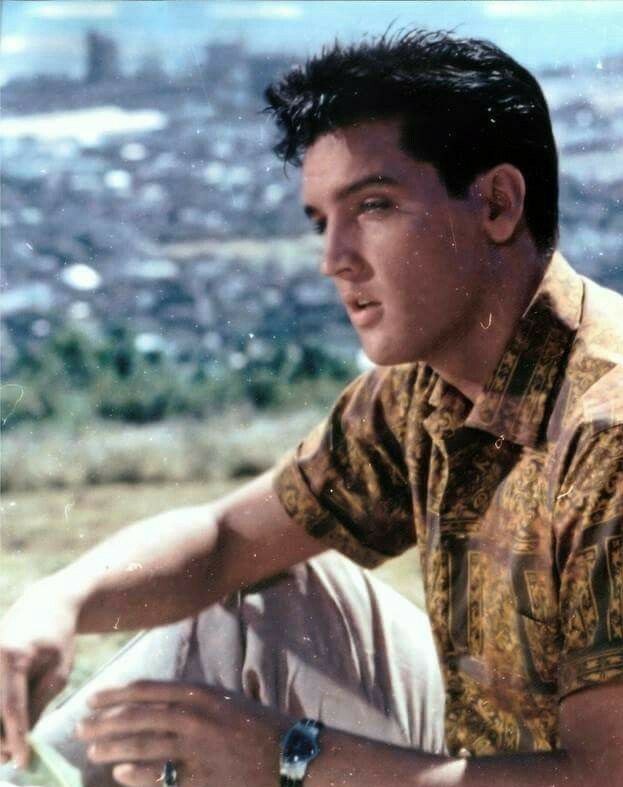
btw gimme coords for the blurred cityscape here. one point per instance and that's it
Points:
(156, 200)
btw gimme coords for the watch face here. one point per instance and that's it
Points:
(299, 746)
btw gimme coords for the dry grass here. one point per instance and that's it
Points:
(240, 443)
(50, 515)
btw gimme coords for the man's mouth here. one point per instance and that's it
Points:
(364, 312)
(356, 303)
(363, 303)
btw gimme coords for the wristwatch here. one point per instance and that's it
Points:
(299, 746)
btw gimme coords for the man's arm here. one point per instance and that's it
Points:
(153, 572)
(219, 738)
(173, 565)
(591, 755)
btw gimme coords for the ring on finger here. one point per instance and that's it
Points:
(169, 774)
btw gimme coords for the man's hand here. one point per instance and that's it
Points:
(212, 736)
(36, 656)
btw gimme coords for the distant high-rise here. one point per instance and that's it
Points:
(102, 58)
(226, 63)
(151, 68)
(224, 54)
(266, 68)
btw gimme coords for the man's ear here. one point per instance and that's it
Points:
(502, 191)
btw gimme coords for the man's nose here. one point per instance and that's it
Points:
(340, 254)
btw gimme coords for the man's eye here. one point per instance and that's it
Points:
(319, 226)
(379, 203)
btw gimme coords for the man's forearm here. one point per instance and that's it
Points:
(156, 571)
(346, 759)
(175, 564)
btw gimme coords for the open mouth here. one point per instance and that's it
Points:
(362, 304)
(364, 312)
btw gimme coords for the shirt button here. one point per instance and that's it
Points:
(463, 752)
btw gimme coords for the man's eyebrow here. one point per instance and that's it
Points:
(376, 179)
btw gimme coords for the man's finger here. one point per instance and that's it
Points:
(14, 706)
(143, 747)
(158, 691)
(48, 686)
(135, 719)
(139, 774)
(5, 754)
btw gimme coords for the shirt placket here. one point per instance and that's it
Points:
(440, 563)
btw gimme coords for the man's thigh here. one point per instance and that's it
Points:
(329, 640)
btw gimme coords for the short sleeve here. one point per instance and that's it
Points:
(347, 481)
(590, 563)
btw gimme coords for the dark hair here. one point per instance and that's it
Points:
(465, 106)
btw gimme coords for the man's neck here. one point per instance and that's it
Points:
(468, 363)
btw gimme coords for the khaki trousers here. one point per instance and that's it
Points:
(326, 640)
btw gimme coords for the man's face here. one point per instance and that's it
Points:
(405, 257)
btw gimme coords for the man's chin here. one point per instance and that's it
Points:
(388, 355)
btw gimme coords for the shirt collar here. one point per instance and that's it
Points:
(515, 404)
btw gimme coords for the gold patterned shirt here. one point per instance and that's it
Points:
(515, 502)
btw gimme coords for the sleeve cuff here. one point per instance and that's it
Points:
(304, 507)
(590, 669)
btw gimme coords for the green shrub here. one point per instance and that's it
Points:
(74, 378)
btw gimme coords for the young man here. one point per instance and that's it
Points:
(490, 434)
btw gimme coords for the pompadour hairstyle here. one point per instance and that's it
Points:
(465, 106)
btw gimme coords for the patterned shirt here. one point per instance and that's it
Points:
(515, 501)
